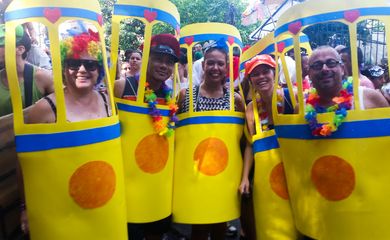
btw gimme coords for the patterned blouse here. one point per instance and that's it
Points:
(202, 103)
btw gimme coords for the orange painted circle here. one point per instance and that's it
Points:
(278, 182)
(93, 184)
(333, 177)
(211, 155)
(152, 153)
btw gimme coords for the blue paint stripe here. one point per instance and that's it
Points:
(39, 12)
(138, 11)
(141, 110)
(210, 120)
(268, 50)
(333, 16)
(42, 142)
(265, 144)
(211, 36)
(358, 129)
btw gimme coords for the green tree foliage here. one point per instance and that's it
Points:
(191, 11)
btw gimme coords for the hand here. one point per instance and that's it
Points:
(244, 186)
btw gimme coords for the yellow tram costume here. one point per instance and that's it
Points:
(73, 173)
(273, 214)
(207, 155)
(337, 184)
(147, 155)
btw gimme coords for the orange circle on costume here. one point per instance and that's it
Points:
(211, 155)
(333, 177)
(93, 184)
(152, 153)
(278, 182)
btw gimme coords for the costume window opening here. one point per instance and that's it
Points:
(83, 68)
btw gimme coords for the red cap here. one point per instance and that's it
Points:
(166, 44)
(258, 60)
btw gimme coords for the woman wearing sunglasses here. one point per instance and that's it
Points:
(82, 63)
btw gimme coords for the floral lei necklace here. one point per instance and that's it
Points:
(342, 104)
(158, 124)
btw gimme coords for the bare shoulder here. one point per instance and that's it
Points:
(44, 80)
(119, 87)
(41, 111)
(374, 99)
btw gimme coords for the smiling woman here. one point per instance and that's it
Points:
(82, 61)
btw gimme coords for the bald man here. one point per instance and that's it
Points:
(326, 72)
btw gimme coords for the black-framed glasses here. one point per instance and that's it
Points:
(89, 65)
(330, 63)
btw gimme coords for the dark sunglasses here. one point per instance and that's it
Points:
(330, 63)
(89, 65)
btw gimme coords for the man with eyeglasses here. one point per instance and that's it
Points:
(326, 72)
(34, 82)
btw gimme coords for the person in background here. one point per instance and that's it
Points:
(33, 81)
(134, 58)
(345, 54)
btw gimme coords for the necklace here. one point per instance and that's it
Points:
(158, 124)
(263, 114)
(342, 104)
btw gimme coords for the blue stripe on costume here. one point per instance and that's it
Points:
(137, 109)
(334, 16)
(39, 12)
(138, 11)
(210, 120)
(357, 129)
(42, 142)
(210, 36)
(265, 144)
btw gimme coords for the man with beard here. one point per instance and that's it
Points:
(326, 72)
(33, 81)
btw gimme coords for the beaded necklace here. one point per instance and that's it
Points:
(342, 104)
(263, 114)
(158, 124)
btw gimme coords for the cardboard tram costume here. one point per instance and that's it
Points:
(273, 213)
(147, 156)
(338, 184)
(63, 163)
(207, 155)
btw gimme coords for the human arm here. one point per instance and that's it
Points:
(238, 103)
(41, 112)
(248, 153)
(44, 81)
(374, 99)
(119, 87)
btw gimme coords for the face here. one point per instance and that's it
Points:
(326, 78)
(305, 66)
(160, 67)
(215, 66)
(82, 73)
(125, 70)
(135, 61)
(198, 48)
(262, 78)
(347, 63)
(378, 82)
